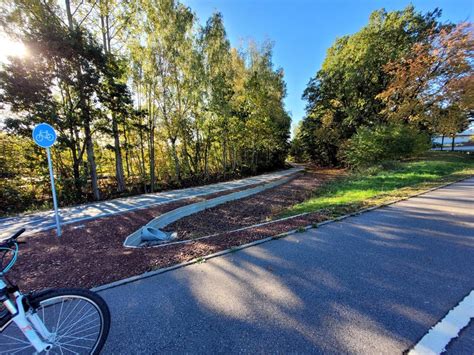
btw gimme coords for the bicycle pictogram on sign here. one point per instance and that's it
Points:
(44, 135)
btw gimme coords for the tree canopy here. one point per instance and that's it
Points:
(403, 65)
(142, 97)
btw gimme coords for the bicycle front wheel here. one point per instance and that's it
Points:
(78, 321)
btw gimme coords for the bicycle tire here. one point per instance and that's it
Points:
(53, 298)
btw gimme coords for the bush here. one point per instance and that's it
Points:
(14, 197)
(373, 145)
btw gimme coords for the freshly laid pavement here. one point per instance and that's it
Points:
(464, 344)
(371, 284)
(45, 220)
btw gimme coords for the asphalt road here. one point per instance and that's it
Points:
(35, 222)
(371, 284)
(464, 344)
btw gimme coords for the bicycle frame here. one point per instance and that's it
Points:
(26, 320)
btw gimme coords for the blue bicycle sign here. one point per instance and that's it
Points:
(44, 135)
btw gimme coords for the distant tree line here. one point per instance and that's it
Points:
(142, 97)
(404, 75)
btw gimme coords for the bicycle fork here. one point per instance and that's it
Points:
(28, 322)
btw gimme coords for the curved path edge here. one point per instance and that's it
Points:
(134, 239)
(40, 221)
(163, 270)
(314, 291)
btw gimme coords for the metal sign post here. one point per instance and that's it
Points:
(45, 136)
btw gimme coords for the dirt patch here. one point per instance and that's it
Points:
(91, 253)
(251, 210)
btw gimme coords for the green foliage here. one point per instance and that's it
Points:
(372, 145)
(342, 96)
(142, 98)
(450, 120)
(321, 143)
(297, 151)
(21, 187)
(14, 197)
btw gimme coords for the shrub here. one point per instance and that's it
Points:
(374, 145)
(15, 197)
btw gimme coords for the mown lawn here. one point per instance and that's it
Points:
(381, 184)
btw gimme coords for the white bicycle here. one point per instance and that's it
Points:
(55, 321)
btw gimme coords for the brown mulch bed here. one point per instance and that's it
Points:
(251, 210)
(91, 253)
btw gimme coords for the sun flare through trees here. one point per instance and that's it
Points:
(143, 97)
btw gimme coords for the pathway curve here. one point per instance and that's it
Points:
(45, 220)
(371, 284)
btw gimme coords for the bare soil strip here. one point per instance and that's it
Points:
(91, 253)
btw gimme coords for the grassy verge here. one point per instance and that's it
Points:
(379, 185)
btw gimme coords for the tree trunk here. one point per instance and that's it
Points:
(118, 156)
(77, 177)
(207, 147)
(234, 158)
(142, 156)
(174, 153)
(197, 151)
(76, 163)
(89, 145)
(127, 152)
(103, 30)
(452, 143)
(91, 160)
(189, 166)
(152, 160)
(152, 144)
(85, 117)
(254, 159)
(69, 14)
(224, 155)
(442, 142)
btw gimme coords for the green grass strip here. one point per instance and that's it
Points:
(379, 184)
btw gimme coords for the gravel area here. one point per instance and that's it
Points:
(91, 253)
(251, 210)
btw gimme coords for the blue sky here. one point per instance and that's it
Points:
(302, 30)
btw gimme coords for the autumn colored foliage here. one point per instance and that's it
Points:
(405, 68)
